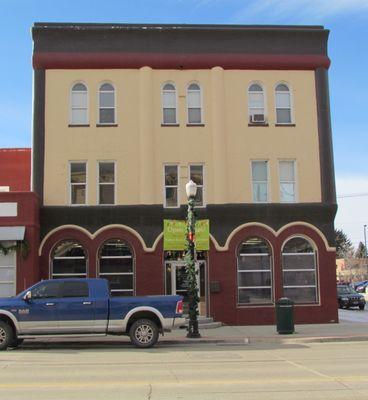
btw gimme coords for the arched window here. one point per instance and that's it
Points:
(194, 104)
(107, 104)
(256, 108)
(299, 271)
(79, 105)
(283, 104)
(254, 272)
(169, 104)
(117, 266)
(69, 260)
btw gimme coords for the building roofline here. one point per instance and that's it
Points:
(202, 27)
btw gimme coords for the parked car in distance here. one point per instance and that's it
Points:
(348, 297)
(64, 307)
(361, 287)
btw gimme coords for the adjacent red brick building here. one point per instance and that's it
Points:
(15, 169)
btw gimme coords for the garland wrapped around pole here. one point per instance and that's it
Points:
(21, 245)
(192, 272)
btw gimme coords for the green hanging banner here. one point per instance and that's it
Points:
(175, 234)
(202, 234)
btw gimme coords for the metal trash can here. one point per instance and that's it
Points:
(285, 316)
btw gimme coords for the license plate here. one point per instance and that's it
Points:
(355, 303)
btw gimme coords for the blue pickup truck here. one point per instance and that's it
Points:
(65, 307)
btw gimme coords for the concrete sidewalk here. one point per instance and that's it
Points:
(267, 334)
(229, 335)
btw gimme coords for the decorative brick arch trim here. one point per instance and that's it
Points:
(311, 229)
(92, 236)
(67, 233)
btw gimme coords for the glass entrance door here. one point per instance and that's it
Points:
(177, 282)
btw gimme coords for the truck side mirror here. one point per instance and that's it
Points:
(27, 296)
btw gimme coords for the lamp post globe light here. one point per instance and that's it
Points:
(191, 190)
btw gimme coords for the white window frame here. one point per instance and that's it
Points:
(270, 271)
(162, 103)
(264, 102)
(102, 274)
(201, 103)
(71, 108)
(12, 254)
(292, 122)
(106, 183)
(70, 184)
(315, 269)
(295, 180)
(52, 258)
(268, 181)
(171, 186)
(203, 186)
(98, 104)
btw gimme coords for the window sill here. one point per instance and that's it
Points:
(243, 305)
(195, 124)
(78, 126)
(286, 125)
(168, 125)
(106, 125)
(260, 124)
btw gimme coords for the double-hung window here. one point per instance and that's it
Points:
(197, 176)
(194, 104)
(256, 109)
(171, 180)
(78, 182)
(107, 104)
(79, 105)
(260, 181)
(283, 104)
(106, 182)
(169, 104)
(287, 181)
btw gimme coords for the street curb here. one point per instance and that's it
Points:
(184, 342)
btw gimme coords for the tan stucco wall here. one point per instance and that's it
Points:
(140, 146)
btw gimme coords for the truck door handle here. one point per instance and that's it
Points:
(87, 303)
(50, 304)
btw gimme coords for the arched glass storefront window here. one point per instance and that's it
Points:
(117, 266)
(254, 272)
(299, 271)
(69, 260)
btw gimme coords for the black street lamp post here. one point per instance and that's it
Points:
(191, 190)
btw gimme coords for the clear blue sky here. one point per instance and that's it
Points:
(348, 49)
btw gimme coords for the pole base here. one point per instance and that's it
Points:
(193, 335)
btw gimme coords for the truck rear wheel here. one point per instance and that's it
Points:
(143, 333)
(6, 335)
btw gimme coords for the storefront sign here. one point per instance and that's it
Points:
(175, 234)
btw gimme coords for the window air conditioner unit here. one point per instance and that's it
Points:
(257, 118)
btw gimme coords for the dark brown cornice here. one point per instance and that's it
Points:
(179, 46)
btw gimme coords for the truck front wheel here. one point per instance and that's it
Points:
(143, 333)
(6, 335)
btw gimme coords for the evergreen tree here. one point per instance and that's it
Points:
(344, 247)
(361, 251)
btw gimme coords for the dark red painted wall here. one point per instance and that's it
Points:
(222, 268)
(223, 305)
(15, 169)
(28, 216)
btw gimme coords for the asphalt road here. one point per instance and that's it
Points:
(354, 315)
(273, 372)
